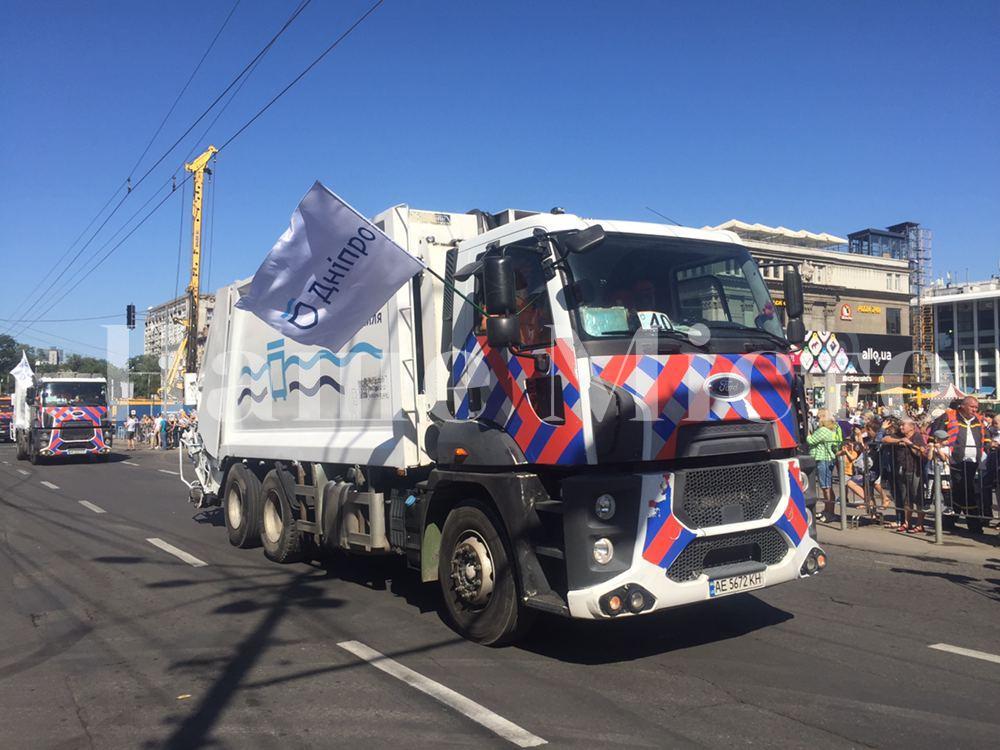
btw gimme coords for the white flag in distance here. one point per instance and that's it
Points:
(22, 373)
(328, 274)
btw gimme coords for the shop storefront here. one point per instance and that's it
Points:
(848, 369)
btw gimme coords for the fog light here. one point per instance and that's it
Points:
(636, 601)
(804, 478)
(604, 507)
(810, 565)
(821, 561)
(604, 550)
(614, 604)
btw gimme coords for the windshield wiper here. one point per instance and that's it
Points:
(730, 326)
(665, 332)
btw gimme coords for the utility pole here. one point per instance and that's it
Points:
(198, 168)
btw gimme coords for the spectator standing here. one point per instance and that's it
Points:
(131, 425)
(967, 440)
(908, 449)
(823, 446)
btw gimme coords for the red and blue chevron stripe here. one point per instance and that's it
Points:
(666, 537)
(794, 521)
(507, 404)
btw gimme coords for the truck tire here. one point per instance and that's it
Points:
(21, 452)
(33, 456)
(242, 507)
(280, 535)
(477, 578)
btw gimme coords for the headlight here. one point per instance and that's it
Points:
(604, 550)
(604, 507)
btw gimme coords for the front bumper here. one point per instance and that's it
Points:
(657, 563)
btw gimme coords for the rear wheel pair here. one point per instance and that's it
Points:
(260, 513)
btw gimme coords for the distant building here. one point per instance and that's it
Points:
(857, 309)
(966, 335)
(164, 326)
(50, 356)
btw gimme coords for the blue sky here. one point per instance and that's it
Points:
(829, 117)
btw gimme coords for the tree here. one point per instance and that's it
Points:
(144, 372)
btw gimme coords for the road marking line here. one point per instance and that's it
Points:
(7, 462)
(50, 485)
(495, 723)
(91, 506)
(188, 558)
(966, 652)
(167, 471)
(130, 463)
(22, 471)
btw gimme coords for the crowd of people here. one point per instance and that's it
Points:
(893, 462)
(162, 432)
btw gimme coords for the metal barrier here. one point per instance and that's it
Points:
(914, 490)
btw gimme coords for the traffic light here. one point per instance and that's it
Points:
(130, 316)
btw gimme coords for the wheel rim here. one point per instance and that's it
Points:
(234, 507)
(472, 572)
(272, 519)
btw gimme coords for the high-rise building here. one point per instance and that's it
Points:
(165, 323)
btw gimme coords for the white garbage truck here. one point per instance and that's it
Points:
(590, 418)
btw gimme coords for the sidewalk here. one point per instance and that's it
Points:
(958, 546)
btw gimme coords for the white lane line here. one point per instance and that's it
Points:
(130, 463)
(25, 473)
(7, 462)
(167, 471)
(50, 485)
(966, 652)
(495, 723)
(91, 506)
(179, 553)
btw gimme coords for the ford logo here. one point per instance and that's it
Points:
(727, 387)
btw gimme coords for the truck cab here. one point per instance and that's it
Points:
(63, 416)
(634, 379)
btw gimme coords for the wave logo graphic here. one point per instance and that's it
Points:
(277, 365)
(300, 314)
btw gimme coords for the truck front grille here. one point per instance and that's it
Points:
(76, 431)
(729, 494)
(704, 554)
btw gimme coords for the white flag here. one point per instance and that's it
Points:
(22, 373)
(328, 274)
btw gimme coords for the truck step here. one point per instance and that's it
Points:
(549, 506)
(549, 602)
(550, 552)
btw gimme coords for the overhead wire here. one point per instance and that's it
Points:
(350, 29)
(133, 186)
(184, 88)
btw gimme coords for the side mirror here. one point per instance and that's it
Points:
(498, 285)
(586, 239)
(795, 331)
(503, 331)
(794, 304)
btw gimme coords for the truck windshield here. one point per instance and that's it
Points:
(73, 394)
(634, 282)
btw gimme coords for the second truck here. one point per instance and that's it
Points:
(595, 419)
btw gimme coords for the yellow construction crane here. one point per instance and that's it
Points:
(187, 352)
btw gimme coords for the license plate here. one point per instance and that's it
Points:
(76, 451)
(736, 584)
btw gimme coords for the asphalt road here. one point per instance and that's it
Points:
(109, 641)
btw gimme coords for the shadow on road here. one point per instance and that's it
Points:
(113, 458)
(987, 587)
(210, 516)
(591, 642)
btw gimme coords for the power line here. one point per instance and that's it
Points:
(131, 187)
(60, 320)
(183, 89)
(256, 116)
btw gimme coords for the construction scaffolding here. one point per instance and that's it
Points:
(918, 253)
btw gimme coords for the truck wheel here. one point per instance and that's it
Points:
(33, 456)
(21, 452)
(280, 536)
(477, 579)
(242, 507)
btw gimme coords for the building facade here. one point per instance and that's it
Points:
(967, 335)
(164, 326)
(857, 309)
